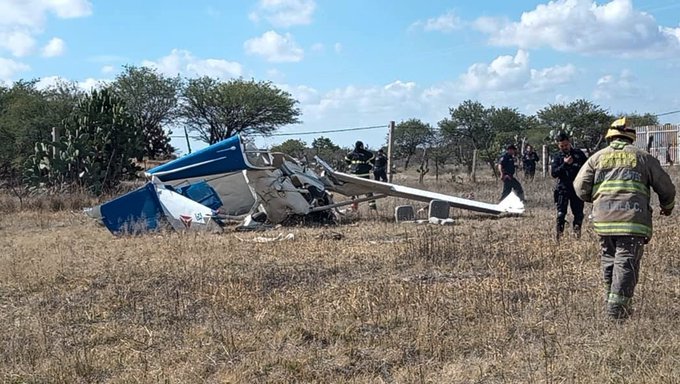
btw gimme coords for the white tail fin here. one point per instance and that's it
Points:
(511, 204)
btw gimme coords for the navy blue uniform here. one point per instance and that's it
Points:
(529, 161)
(564, 194)
(507, 164)
(380, 167)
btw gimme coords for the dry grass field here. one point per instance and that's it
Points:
(487, 300)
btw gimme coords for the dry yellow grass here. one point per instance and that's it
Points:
(488, 300)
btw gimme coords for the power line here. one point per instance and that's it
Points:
(667, 113)
(327, 131)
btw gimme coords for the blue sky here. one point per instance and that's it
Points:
(357, 63)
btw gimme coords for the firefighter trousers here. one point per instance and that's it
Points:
(620, 258)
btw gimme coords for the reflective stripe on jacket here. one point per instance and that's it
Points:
(617, 180)
(360, 161)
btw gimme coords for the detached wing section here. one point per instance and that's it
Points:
(351, 185)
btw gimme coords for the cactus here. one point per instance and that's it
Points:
(96, 150)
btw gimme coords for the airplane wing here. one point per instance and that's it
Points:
(352, 185)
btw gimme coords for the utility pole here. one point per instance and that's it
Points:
(186, 135)
(390, 144)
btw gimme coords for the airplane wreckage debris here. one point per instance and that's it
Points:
(229, 182)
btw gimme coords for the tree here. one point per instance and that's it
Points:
(469, 126)
(217, 110)
(410, 135)
(97, 146)
(292, 147)
(439, 150)
(643, 120)
(586, 122)
(151, 99)
(510, 125)
(27, 116)
(327, 150)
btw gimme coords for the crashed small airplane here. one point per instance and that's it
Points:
(229, 181)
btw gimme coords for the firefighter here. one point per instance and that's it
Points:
(564, 167)
(617, 181)
(360, 163)
(380, 169)
(529, 160)
(506, 168)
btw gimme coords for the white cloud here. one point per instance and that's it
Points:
(274, 47)
(338, 48)
(444, 23)
(585, 26)
(182, 62)
(22, 21)
(108, 69)
(617, 86)
(19, 43)
(503, 72)
(86, 85)
(9, 68)
(318, 47)
(284, 13)
(511, 73)
(549, 78)
(54, 47)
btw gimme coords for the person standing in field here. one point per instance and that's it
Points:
(380, 166)
(360, 163)
(506, 168)
(617, 180)
(564, 167)
(529, 160)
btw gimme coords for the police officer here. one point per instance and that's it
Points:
(360, 163)
(506, 168)
(564, 167)
(529, 160)
(380, 166)
(617, 181)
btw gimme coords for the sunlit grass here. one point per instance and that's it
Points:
(487, 300)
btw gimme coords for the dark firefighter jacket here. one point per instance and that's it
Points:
(360, 162)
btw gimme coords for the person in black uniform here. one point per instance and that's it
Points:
(360, 163)
(529, 160)
(506, 168)
(380, 166)
(564, 168)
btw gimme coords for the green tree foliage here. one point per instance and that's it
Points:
(510, 125)
(216, 110)
(96, 149)
(27, 116)
(330, 152)
(469, 127)
(151, 99)
(585, 121)
(439, 151)
(643, 120)
(291, 147)
(23, 121)
(410, 135)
